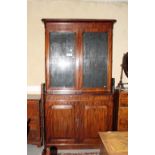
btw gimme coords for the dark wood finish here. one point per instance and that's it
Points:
(97, 116)
(121, 110)
(79, 28)
(49, 20)
(75, 120)
(28, 126)
(60, 121)
(34, 117)
(74, 115)
(42, 107)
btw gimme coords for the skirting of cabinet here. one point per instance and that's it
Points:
(75, 146)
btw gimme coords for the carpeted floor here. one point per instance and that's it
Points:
(79, 152)
(84, 153)
(34, 150)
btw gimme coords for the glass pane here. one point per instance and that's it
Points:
(95, 46)
(62, 59)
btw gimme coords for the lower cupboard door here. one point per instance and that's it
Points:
(96, 118)
(60, 123)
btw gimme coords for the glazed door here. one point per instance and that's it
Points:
(60, 122)
(95, 55)
(96, 60)
(78, 57)
(61, 60)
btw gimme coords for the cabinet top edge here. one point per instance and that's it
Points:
(46, 20)
(121, 90)
(33, 97)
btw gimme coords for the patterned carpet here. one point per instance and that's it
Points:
(84, 153)
(77, 152)
(34, 150)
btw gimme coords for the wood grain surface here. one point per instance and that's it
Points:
(114, 143)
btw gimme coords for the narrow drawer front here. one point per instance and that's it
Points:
(124, 102)
(123, 119)
(123, 95)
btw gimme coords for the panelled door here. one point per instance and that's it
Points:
(61, 122)
(96, 116)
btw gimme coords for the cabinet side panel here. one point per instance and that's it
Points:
(33, 114)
